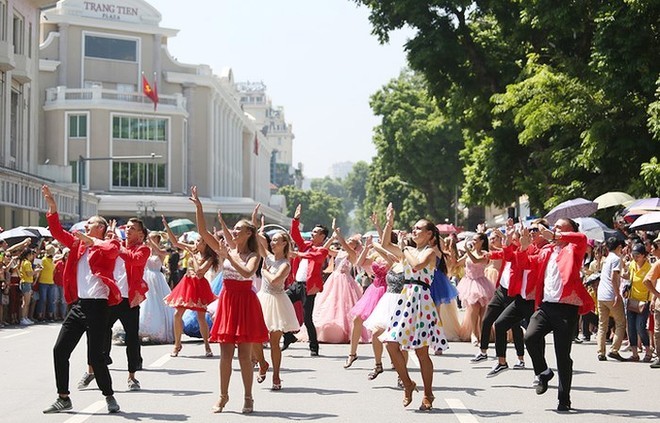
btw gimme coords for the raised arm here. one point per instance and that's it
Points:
(424, 259)
(386, 240)
(207, 236)
(374, 220)
(295, 229)
(352, 255)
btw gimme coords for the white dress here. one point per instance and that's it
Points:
(279, 314)
(156, 318)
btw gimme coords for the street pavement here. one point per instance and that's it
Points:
(318, 389)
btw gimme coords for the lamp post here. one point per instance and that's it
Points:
(82, 159)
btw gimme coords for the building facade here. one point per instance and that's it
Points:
(21, 202)
(101, 132)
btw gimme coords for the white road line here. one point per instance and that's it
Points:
(14, 335)
(460, 410)
(164, 359)
(86, 413)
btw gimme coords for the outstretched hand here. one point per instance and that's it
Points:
(296, 214)
(194, 197)
(50, 200)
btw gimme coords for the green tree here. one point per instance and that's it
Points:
(356, 182)
(551, 98)
(335, 188)
(318, 207)
(416, 146)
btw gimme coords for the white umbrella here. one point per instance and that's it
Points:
(611, 199)
(577, 207)
(647, 222)
(19, 232)
(594, 228)
(44, 232)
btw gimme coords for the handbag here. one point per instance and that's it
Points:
(636, 306)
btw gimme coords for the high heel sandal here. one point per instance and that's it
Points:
(175, 351)
(407, 393)
(209, 352)
(248, 405)
(375, 372)
(262, 373)
(276, 386)
(217, 408)
(427, 403)
(350, 360)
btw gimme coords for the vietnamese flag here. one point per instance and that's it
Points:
(150, 92)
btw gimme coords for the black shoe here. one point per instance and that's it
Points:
(616, 356)
(497, 369)
(655, 364)
(542, 387)
(562, 406)
(113, 407)
(601, 357)
(288, 341)
(60, 404)
(314, 353)
(479, 358)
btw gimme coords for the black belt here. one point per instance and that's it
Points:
(419, 283)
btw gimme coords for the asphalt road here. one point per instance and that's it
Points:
(318, 389)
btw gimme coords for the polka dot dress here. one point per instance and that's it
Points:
(415, 323)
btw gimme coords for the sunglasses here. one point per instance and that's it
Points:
(532, 230)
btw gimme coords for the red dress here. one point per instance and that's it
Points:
(239, 318)
(192, 293)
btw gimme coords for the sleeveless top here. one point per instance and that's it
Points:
(229, 272)
(395, 282)
(154, 263)
(423, 275)
(273, 267)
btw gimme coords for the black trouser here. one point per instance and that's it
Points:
(130, 320)
(298, 292)
(589, 319)
(498, 303)
(560, 319)
(510, 318)
(86, 316)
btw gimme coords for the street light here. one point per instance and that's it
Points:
(82, 160)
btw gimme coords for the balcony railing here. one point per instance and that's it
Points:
(61, 95)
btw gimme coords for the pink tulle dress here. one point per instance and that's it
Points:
(366, 305)
(475, 287)
(332, 306)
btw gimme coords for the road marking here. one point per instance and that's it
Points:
(86, 413)
(14, 335)
(460, 411)
(164, 359)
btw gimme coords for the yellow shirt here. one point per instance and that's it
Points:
(638, 290)
(47, 271)
(26, 273)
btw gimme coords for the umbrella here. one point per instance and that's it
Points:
(595, 229)
(447, 228)
(40, 231)
(577, 207)
(611, 199)
(80, 226)
(637, 207)
(647, 222)
(20, 232)
(181, 225)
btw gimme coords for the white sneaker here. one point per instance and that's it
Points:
(25, 322)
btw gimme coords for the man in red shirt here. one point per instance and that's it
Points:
(307, 268)
(90, 289)
(560, 298)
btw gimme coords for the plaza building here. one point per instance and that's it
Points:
(21, 202)
(101, 133)
(256, 102)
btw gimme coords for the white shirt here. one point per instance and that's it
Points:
(301, 274)
(120, 277)
(89, 286)
(552, 284)
(605, 288)
(523, 289)
(506, 275)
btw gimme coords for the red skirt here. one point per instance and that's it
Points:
(239, 318)
(192, 293)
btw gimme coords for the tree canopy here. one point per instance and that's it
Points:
(553, 100)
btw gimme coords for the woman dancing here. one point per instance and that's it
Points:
(279, 314)
(156, 318)
(193, 292)
(239, 321)
(415, 325)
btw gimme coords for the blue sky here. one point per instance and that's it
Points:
(317, 58)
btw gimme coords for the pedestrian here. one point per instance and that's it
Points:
(47, 289)
(90, 288)
(610, 302)
(652, 283)
(637, 303)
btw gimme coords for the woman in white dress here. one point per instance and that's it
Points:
(156, 318)
(279, 314)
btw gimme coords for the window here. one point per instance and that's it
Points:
(139, 129)
(74, 172)
(3, 20)
(138, 175)
(19, 34)
(77, 126)
(110, 48)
